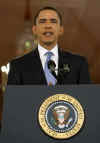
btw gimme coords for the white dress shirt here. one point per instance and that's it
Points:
(43, 56)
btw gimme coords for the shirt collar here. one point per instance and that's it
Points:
(42, 50)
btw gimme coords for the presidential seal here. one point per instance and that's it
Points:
(61, 116)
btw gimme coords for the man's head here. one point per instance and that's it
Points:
(48, 27)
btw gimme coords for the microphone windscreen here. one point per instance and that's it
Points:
(51, 65)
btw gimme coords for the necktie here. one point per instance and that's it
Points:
(51, 80)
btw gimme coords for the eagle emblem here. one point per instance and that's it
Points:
(61, 116)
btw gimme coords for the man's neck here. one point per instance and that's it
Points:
(48, 47)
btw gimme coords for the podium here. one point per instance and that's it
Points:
(20, 113)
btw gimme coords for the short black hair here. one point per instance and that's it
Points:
(48, 8)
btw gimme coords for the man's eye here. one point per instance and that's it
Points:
(53, 20)
(42, 20)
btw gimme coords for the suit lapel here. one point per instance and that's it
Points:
(59, 66)
(61, 76)
(60, 62)
(38, 67)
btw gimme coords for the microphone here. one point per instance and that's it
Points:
(52, 66)
(62, 71)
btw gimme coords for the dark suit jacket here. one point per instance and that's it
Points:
(28, 70)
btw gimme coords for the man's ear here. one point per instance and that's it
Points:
(61, 30)
(34, 29)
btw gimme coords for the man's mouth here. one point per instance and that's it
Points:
(48, 33)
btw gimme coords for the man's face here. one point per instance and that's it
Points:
(48, 28)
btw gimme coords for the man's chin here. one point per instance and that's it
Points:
(48, 43)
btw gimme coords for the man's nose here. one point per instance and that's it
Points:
(48, 26)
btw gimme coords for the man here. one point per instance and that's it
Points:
(48, 64)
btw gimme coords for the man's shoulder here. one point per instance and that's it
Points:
(24, 58)
(73, 57)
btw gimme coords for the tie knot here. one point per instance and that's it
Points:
(49, 54)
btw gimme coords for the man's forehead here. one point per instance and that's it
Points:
(48, 14)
